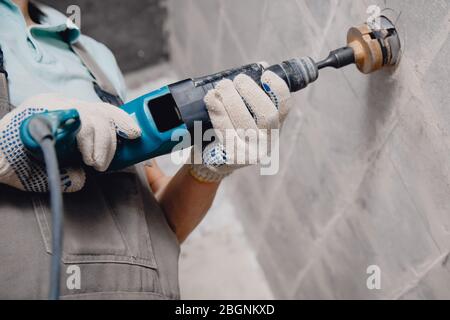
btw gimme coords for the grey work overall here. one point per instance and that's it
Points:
(116, 238)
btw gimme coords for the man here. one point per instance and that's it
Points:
(122, 229)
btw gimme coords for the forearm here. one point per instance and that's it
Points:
(184, 200)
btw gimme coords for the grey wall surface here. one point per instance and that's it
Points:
(365, 160)
(133, 29)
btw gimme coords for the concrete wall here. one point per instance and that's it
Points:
(365, 160)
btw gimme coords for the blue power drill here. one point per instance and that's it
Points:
(160, 113)
(173, 109)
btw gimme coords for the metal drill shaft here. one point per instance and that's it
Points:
(338, 58)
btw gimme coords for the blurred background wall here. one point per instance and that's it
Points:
(364, 175)
(135, 30)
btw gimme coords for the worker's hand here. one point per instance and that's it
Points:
(18, 169)
(239, 109)
(100, 125)
(100, 122)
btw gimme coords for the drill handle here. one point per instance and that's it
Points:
(188, 94)
(297, 73)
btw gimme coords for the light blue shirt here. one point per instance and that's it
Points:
(39, 61)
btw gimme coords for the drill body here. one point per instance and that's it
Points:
(168, 114)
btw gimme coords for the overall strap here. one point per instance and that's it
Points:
(5, 106)
(102, 85)
(3, 79)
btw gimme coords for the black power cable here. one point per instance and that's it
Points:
(40, 130)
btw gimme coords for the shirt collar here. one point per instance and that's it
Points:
(53, 23)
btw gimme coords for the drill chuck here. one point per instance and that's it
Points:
(297, 73)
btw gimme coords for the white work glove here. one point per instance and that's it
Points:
(97, 139)
(234, 107)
